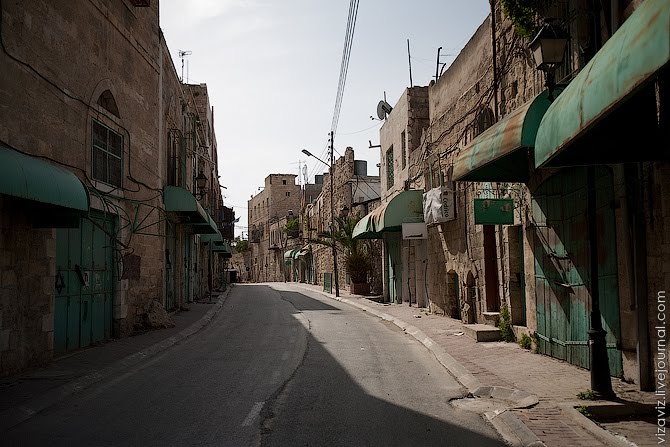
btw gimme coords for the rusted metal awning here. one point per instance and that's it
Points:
(407, 206)
(628, 61)
(503, 152)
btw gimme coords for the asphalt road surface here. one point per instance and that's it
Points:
(278, 366)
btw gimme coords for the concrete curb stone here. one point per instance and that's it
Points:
(14, 416)
(587, 424)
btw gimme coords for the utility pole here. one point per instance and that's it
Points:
(332, 212)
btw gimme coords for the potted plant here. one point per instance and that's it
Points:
(357, 258)
(359, 266)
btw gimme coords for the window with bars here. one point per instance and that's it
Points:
(176, 159)
(389, 167)
(107, 154)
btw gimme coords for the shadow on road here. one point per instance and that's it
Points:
(302, 302)
(322, 404)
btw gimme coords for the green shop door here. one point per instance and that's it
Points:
(562, 274)
(394, 272)
(170, 266)
(84, 278)
(187, 268)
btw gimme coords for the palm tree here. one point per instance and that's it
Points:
(357, 259)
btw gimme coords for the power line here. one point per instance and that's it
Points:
(344, 66)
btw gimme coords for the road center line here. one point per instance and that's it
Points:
(255, 410)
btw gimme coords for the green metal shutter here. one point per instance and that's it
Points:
(84, 283)
(562, 276)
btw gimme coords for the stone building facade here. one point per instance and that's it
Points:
(84, 232)
(401, 170)
(490, 140)
(354, 194)
(280, 197)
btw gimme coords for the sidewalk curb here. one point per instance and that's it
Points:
(508, 425)
(16, 415)
(597, 431)
(512, 429)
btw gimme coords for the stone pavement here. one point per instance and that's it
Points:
(553, 421)
(25, 395)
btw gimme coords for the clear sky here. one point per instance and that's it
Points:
(272, 69)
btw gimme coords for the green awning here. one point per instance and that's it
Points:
(223, 249)
(503, 153)
(206, 228)
(290, 253)
(365, 228)
(304, 251)
(32, 178)
(623, 66)
(186, 208)
(404, 207)
(215, 239)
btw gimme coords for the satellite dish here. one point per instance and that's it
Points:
(383, 109)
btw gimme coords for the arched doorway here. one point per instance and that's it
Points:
(453, 295)
(469, 311)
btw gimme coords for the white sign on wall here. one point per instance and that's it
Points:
(414, 231)
(439, 205)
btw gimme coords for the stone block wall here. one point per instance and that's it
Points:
(27, 271)
(657, 212)
(110, 63)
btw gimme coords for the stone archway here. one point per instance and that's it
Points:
(453, 295)
(469, 308)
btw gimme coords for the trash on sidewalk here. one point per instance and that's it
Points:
(458, 334)
(417, 316)
(154, 317)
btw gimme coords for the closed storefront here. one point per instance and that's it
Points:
(84, 283)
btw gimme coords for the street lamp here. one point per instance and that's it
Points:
(201, 184)
(548, 48)
(332, 212)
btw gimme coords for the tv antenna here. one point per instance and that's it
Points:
(182, 55)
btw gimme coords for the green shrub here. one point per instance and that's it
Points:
(525, 342)
(584, 410)
(587, 395)
(524, 15)
(505, 325)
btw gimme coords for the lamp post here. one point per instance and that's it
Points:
(548, 48)
(201, 184)
(332, 213)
